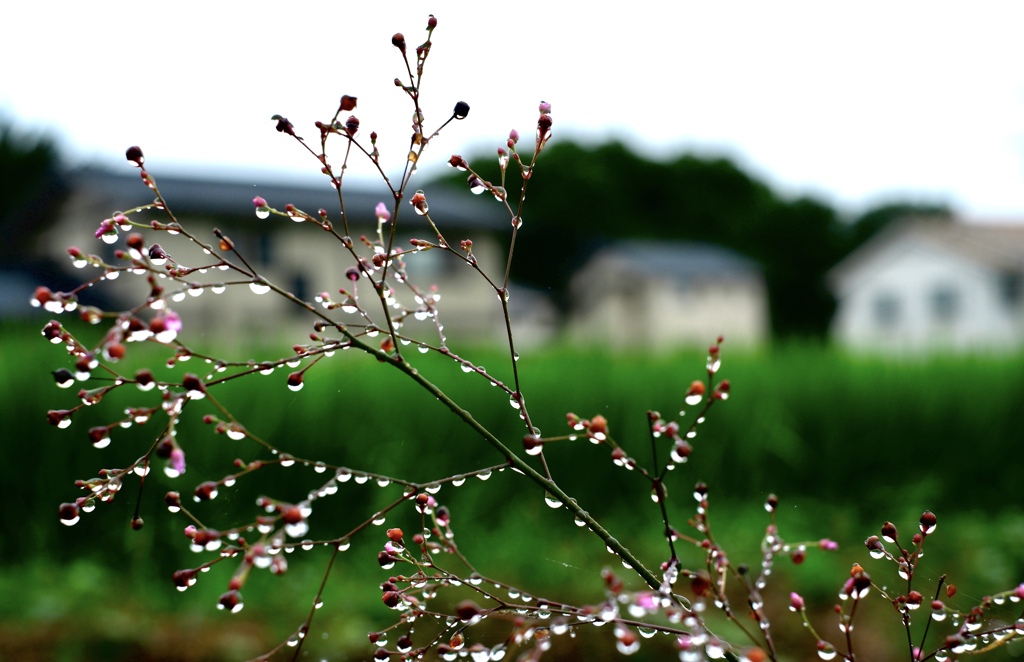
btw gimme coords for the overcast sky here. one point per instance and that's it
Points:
(858, 103)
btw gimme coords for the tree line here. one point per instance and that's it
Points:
(584, 197)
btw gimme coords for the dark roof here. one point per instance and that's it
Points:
(993, 245)
(681, 260)
(226, 197)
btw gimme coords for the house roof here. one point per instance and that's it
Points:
(683, 261)
(994, 245)
(215, 196)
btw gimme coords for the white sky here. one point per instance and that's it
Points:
(856, 102)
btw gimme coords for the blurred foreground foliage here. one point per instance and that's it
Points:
(846, 443)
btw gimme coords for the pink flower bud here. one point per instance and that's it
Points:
(382, 213)
(106, 227)
(177, 460)
(544, 108)
(796, 603)
(259, 202)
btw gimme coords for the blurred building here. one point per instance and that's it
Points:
(643, 294)
(664, 294)
(933, 284)
(299, 257)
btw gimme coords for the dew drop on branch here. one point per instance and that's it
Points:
(552, 501)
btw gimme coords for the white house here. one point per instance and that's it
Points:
(663, 294)
(932, 284)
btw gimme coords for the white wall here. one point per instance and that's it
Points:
(911, 276)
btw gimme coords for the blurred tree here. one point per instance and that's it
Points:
(587, 196)
(32, 189)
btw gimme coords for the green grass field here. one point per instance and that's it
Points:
(845, 442)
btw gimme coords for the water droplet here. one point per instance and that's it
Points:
(379, 519)
(552, 501)
(514, 402)
(383, 482)
(484, 475)
(457, 482)
(259, 287)
(262, 213)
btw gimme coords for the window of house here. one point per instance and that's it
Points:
(945, 303)
(300, 286)
(887, 310)
(1011, 288)
(265, 248)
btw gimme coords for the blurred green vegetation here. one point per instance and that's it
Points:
(846, 442)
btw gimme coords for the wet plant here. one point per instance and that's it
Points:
(690, 591)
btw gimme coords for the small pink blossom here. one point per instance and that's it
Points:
(178, 460)
(172, 321)
(1019, 591)
(106, 227)
(796, 602)
(828, 545)
(544, 108)
(259, 202)
(647, 601)
(382, 213)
